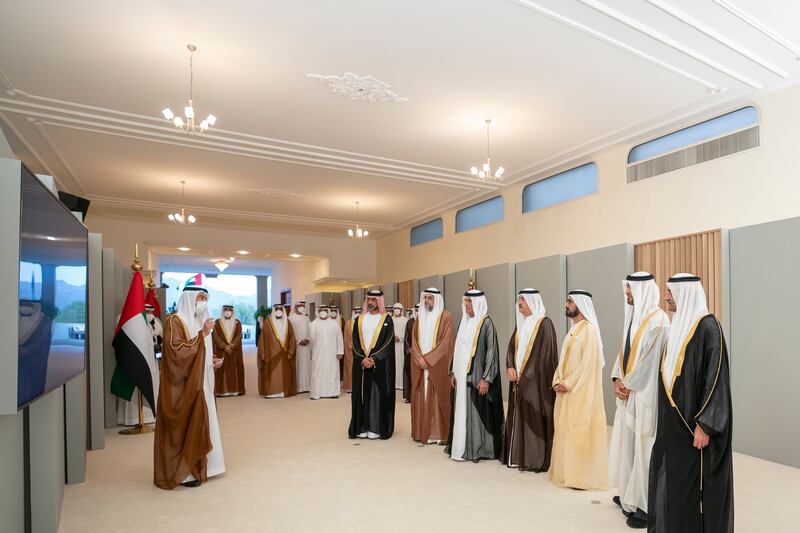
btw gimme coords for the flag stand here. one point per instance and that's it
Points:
(141, 427)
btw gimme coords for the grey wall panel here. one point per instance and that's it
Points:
(10, 172)
(12, 480)
(389, 293)
(346, 304)
(358, 296)
(95, 363)
(109, 323)
(498, 283)
(75, 429)
(549, 275)
(455, 284)
(46, 445)
(601, 272)
(763, 352)
(431, 281)
(262, 294)
(416, 291)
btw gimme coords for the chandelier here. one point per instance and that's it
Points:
(189, 126)
(222, 264)
(358, 232)
(180, 217)
(485, 173)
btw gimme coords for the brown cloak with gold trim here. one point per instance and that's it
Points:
(430, 418)
(182, 438)
(529, 425)
(276, 363)
(347, 377)
(229, 378)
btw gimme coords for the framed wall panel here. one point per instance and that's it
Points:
(763, 351)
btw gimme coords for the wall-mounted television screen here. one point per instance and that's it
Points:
(53, 273)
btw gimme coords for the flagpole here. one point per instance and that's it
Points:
(141, 427)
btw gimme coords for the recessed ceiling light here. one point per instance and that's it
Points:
(184, 249)
(242, 252)
(49, 238)
(231, 259)
(295, 255)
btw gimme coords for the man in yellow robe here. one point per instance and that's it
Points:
(580, 444)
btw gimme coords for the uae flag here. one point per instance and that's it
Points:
(151, 299)
(131, 341)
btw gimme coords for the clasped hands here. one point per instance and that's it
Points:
(217, 362)
(368, 362)
(620, 390)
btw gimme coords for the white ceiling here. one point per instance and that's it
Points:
(83, 84)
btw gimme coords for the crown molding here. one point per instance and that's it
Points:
(750, 20)
(669, 41)
(61, 113)
(229, 214)
(710, 32)
(614, 42)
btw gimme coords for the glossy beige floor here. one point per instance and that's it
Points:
(291, 468)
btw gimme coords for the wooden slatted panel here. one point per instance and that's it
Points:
(699, 253)
(405, 293)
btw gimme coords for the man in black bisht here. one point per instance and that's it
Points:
(691, 470)
(373, 393)
(412, 319)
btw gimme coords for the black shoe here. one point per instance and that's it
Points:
(636, 523)
(191, 484)
(615, 499)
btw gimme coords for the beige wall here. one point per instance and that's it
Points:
(751, 187)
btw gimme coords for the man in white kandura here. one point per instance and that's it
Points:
(302, 335)
(476, 427)
(636, 381)
(327, 348)
(399, 343)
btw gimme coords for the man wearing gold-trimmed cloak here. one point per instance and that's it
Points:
(276, 350)
(580, 443)
(531, 361)
(431, 354)
(372, 401)
(227, 339)
(691, 470)
(187, 441)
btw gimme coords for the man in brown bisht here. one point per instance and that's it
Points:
(431, 354)
(412, 319)
(227, 340)
(276, 350)
(347, 380)
(531, 360)
(187, 444)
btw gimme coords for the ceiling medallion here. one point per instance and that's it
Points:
(366, 88)
(276, 193)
